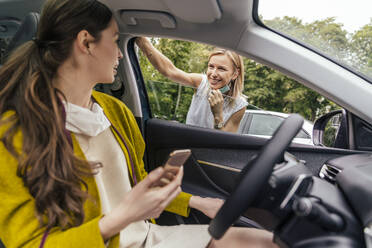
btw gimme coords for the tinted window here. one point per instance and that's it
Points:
(303, 135)
(264, 124)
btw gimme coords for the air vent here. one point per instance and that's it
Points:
(329, 172)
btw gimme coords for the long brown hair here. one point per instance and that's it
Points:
(47, 164)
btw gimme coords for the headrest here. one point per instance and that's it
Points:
(26, 31)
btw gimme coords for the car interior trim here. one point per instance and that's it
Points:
(293, 190)
(225, 167)
(130, 17)
(135, 96)
(368, 235)
(329, 172)
(208, 11)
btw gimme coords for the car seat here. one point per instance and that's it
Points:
(26, 31)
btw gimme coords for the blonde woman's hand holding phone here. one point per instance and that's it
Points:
(215, 99)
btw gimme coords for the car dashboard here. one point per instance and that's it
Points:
(331, 210)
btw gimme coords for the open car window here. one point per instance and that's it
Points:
(325, 26)
(271, 95)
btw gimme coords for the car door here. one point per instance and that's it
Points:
(217, 157)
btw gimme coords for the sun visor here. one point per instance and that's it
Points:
(130, 17)
(196, 11)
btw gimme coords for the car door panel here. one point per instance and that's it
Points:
(213, 168)
(217, 157)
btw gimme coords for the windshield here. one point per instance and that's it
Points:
(340, 29)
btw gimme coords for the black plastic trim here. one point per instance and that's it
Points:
(359, 125)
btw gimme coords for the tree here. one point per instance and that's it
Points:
(266, 88)
(272, 90)
(169, 100)
(361, 44)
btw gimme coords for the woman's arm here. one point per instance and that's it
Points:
(206, 205)
(232, 124)
(165, 66)
(20, 227)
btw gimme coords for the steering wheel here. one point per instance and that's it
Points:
(256, 176)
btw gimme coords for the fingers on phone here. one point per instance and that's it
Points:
(171, 169)
(154, 176)
(172, 189)
(164, 181)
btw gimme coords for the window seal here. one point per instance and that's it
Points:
(145, 104)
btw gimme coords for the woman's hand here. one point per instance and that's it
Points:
(215, 99)
(142, 42)
(208, 206)
(143, 202)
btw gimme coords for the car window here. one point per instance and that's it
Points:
(265, 89)
(264, 124)
(339, 29)
(303, 135)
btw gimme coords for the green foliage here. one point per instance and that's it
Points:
(325, 35)
(266, 88)
(329, 136)
(271, 90)
(362, 49)
(169, 100)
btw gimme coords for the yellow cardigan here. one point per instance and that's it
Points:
(18, 224)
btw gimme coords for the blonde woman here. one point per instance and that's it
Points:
(218, 101)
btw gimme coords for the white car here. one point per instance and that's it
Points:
(261, 123)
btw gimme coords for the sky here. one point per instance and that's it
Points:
(352, 13)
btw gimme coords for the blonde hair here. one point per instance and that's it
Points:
(237, 84)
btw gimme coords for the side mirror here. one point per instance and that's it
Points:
(331, 130)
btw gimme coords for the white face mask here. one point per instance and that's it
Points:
(85, 121)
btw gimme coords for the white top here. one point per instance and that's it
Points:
(113, 182)
(86, 121)
(200, 113)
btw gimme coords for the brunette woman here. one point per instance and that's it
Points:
(71, 169)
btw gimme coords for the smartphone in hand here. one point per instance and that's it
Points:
(175, 160)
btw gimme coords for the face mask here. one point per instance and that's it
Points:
(224, 89)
